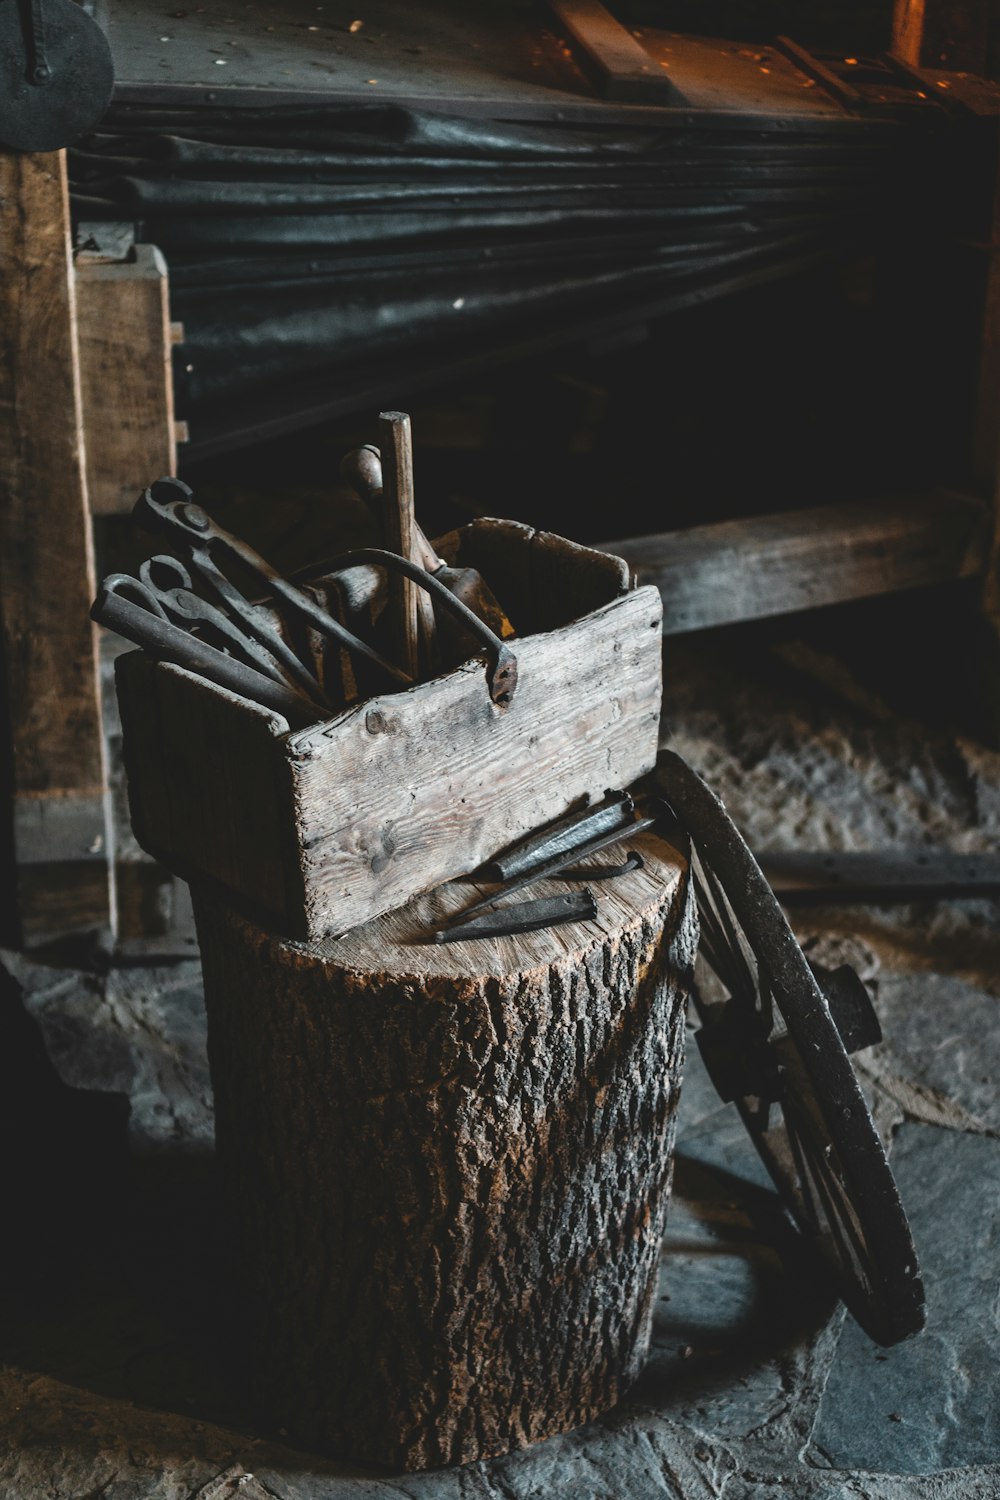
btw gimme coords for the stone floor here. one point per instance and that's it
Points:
(120, 1377)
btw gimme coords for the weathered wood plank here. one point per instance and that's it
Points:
(794, 560)
(448, 779)
(349, 818)
(397, 527)
(126, 379)
(207, 781)
(410, 1139)
(608, 52)
(46, 559)
(908, 30)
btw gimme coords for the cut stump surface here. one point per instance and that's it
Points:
(447, 1167)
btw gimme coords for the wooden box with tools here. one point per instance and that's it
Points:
(320, 828)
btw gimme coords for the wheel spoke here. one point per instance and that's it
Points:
(728, 922)
(853, 1251)
(809, 1199)
(825, 1157)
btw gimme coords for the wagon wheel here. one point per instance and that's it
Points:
(778, 1047)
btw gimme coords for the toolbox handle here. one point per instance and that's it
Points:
(501, 674)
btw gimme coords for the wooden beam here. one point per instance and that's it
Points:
(607, 51)
(794, 560)
(46, 564)
(125, 337)
(908, 30)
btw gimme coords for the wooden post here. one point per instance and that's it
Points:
(62, 830)
(398, 525)
(125, 339)
(446, 1169)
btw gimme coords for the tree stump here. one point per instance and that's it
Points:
(447, 1168)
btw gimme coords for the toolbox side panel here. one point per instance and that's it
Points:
(411, 789)
(208, 783)
(544, 580)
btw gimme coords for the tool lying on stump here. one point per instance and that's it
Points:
(556, 864)
(523, 916)
(566, 834)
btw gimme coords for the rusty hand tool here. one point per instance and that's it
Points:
(632, 861)
(567, 833)
(126, 606)
(362, 471)
(398, 524)
(169, 584)
(501, 672)
(523, 916)
(255, 619)
(168, 506)
(557, 864)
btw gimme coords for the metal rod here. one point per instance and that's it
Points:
(567, 833)
(523, 916)
(556, 864)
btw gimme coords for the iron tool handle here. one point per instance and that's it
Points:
(169, 506)
(501, 673)
(165, 642)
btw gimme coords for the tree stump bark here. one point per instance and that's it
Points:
(447, 1168)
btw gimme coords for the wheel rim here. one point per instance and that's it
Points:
(773, 1047)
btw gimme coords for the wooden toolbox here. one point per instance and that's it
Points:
(322, 828)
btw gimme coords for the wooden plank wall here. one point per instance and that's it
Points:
(61, 829)
(125, 338)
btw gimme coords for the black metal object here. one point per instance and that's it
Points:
(566, 834)
(557, 863)
(308, 245)
(522, 916)
(501, 674)
(146, 626)
(168, 507)
(774, 1046)
(166, 584)
(56, 74)
(633, 861)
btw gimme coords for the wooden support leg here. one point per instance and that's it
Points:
(61, 824)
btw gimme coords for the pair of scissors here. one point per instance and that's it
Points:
(168, 507)
(164, 589)
(130, 607)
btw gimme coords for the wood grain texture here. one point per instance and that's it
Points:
(446, 1174)
(621, 69)
(126, 379)
(207, 780)
(410, 789)
(398, 524)
(46, 559)
(337, 823)
(908, 30)
(777, 564)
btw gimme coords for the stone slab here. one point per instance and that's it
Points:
(932, 1403)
